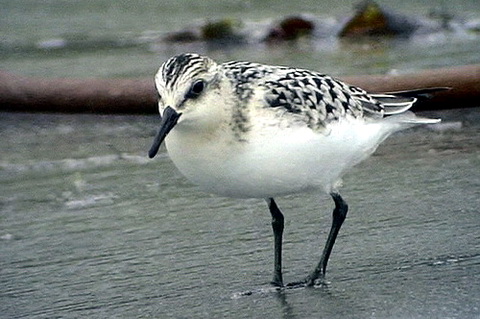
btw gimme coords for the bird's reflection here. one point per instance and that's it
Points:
(287, 310)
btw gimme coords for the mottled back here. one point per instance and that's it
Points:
(321, 98)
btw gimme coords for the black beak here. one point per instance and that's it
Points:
(169, 120)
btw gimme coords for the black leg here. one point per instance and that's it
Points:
(277, 225)
(339, 214)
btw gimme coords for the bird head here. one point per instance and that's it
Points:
(186, 94)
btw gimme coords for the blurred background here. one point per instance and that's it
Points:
(103, 38)
(91, 228)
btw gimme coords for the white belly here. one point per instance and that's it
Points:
(273, 163)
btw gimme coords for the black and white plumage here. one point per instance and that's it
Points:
(250, 130)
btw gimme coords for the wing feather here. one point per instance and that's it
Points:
(321, 99)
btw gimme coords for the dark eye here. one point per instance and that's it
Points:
(196, 89)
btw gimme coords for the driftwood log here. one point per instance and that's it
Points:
(137, 96)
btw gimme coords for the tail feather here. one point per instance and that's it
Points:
(400, 101)
(419, 93)
(409, 117)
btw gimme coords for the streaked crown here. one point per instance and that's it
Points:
(183, 78)
(183, 68)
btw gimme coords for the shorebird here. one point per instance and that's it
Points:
(249, 130)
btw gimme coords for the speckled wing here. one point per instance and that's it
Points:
(320, 98)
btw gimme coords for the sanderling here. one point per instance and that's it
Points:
(249, 130)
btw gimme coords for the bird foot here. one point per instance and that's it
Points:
(308, 282)
(290, 285)
(277, 280)
(275, 283)
(296, 284)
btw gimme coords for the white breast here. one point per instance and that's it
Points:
(271, 161)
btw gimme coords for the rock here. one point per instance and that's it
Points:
(290, 28)
(209, 31)
(183, 36)
(224, 29)
(372, 20)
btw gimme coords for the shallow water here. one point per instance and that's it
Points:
(91, 228)
(104, 38)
